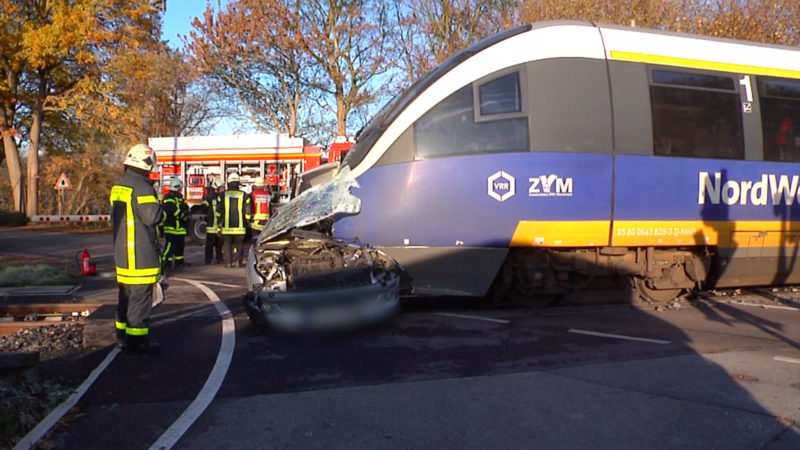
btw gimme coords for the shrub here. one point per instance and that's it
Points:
(12, 219)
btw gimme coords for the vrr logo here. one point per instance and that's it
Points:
(501, 186)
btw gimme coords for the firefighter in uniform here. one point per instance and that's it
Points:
(233, 214)
(135, 215)
(175, 225)
(213, 239)
(260, 199)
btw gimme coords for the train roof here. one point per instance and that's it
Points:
(565, 39)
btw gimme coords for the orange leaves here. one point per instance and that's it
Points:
(773, 21)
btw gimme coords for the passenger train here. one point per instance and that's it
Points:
(554, 153)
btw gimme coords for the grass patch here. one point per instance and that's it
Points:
(25, 402)
(32, 275)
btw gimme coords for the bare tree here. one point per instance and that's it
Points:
(349, 41)
(248, 50)
(428, 32)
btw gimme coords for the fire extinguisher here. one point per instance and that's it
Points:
(87, 265)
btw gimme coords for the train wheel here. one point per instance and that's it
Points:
(520, 282)
(653, 295)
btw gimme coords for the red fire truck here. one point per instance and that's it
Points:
(196, 160)
(339, 148)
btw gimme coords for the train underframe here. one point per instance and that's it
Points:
(654, 275)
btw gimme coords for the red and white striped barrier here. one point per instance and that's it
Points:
(70, 218)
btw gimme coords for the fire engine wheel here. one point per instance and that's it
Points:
(197, 231)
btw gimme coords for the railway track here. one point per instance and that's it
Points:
(15, 317)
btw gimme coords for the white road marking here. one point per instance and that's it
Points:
(47, 423)
(217, 283)
(464, 316)
(215, 378)
(785, 359)
(619, 336)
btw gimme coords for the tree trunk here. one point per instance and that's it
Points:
(32, 199)
(341, 113)
(14, 170)
(37, 117)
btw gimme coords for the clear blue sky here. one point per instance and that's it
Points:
(178, 22)
(179, 15)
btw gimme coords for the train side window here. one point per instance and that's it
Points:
(696, 115)
(780, 118)
(500, 96)
(450, 128)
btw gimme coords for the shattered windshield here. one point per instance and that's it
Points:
(317, 203)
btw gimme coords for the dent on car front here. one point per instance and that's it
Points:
(301, 277)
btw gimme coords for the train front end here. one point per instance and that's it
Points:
(300, 278)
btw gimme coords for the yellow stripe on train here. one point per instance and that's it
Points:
(655, 233)
(702, 64)
(561, 233)
(744, 233)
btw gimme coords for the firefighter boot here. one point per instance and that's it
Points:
(140, 345)
(120, 338)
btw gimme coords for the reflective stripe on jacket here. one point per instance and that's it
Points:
(135, 212)
(177, 213)
(233, 211)
(210, 203)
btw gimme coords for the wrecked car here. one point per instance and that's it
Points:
(300, 277)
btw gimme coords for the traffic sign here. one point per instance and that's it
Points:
(63, 182)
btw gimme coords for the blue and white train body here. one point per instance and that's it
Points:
(556, 152)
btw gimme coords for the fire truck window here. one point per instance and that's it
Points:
(780, 118)
(449, 128)
(696, 115)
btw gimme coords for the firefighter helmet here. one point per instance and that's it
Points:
(233, 178)
(175, 184)
(259, 182)
(216, 183)
(141, 156)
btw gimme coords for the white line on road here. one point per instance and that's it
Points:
(44, 426)
(215, 378)
(619, 336)
(785, 359)
(464, 316)
(217, 283)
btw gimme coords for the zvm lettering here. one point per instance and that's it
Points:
(550, 186)
(771, 188)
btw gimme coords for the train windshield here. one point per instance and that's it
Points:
(380, 121)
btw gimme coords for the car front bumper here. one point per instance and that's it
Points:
(324, 310)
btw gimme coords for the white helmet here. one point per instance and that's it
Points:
(216, 183)
(259, 182)
(234, 177)
(141, 156)
(175, 184)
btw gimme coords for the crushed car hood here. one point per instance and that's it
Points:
(314, 205)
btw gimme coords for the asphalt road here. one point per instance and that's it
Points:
(722, 373)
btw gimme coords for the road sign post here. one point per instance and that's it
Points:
(62, 184)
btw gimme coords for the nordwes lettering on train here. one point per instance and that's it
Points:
(769, 189)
